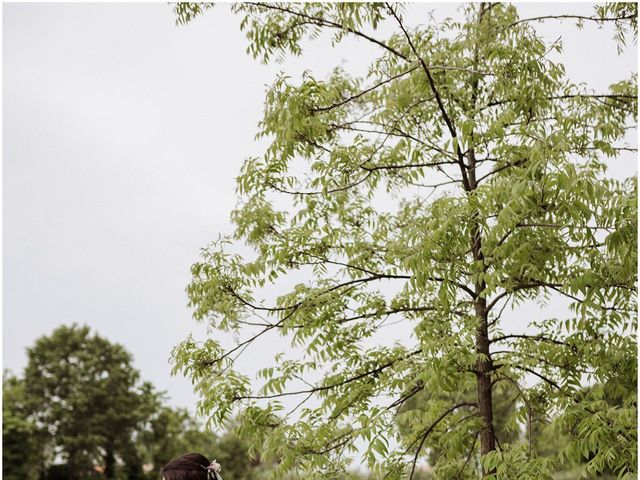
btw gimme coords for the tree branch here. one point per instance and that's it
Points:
(430, 429)
(539, 338)
(566, 97)
(520, 287)
(321, 22)
(335, 385)
(443, 111)
(574, 17)
(364, 92)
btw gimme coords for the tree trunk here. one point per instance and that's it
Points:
(483, 366)
(483, 369)
(109, 463)
(72, 466)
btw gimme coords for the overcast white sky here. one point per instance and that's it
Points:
(122, 135)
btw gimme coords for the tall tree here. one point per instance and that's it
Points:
(84, 391)
(464, 174)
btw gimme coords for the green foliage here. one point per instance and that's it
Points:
(173, 432)
(625, 16)
(83, 390)
(463, 175)
(20, 450)
(56, 409)
(185, 12)
(169, 433)
(602, 430)
(452, 452)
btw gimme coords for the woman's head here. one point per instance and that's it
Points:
(190, 466)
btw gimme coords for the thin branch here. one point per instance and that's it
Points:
(400, 401)
(539, 375)
(503, 167)
(292, 309)
(335, 385)
(469, 455)
(321, 22)
(360, 166)
(431, 428)
(409, 165)
(340, 321)
(364, 92)
(443, 111)
(314, 192)
(539, 338)
(522, 286)
(574, 17)
(601, 307)
(345, 439)
(565, 97)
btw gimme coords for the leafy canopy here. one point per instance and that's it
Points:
(83, 391)
(463, 175)
(77, 401)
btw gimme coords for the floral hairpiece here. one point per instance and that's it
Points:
(214, 467)
(213, 470)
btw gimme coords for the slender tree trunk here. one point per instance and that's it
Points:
(42, 474)
(483, 366)
(483, 369)
(72, 466)
(109, 463)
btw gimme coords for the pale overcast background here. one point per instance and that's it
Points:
(122, 136)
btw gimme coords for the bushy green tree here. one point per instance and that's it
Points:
(462, 175)
(84, 391)
(80, 391)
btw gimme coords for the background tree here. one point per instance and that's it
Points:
(171, 432)
(100, 407)
(84, 391)
(463, 175)
(23, 451)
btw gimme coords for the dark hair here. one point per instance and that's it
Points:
(190, 466)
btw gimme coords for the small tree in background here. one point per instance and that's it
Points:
(463, 175)
(83, 390)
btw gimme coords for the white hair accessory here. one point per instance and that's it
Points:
(213, 471)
